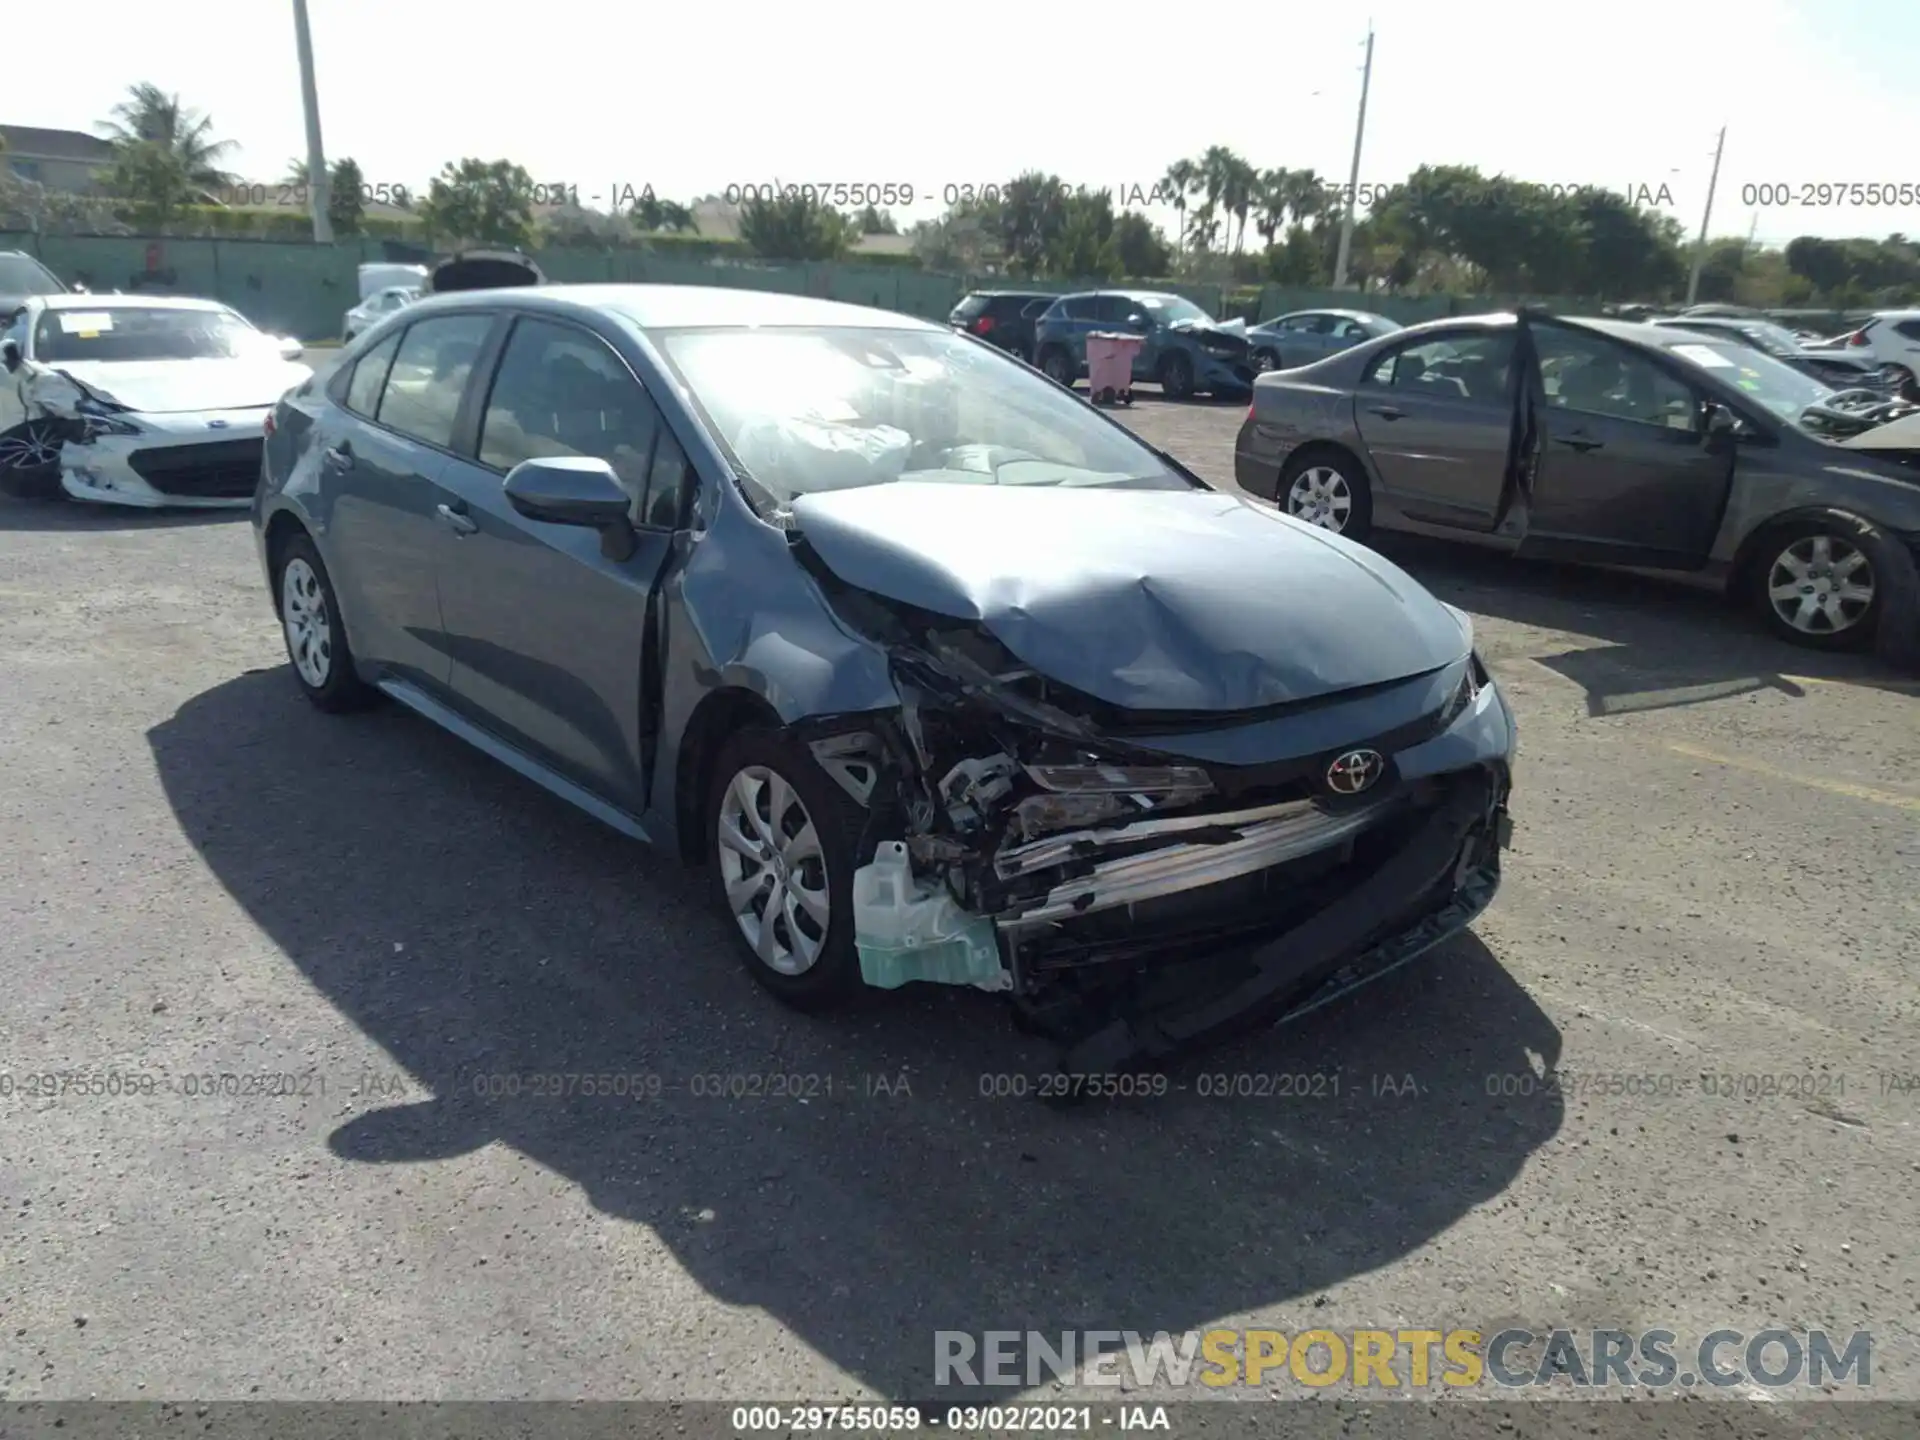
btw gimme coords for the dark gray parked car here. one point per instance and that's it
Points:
(944, 675)
(1608, 442)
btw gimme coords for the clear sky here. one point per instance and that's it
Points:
(690, 98)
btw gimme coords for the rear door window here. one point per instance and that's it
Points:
(369, 378)
(429, 376)
(1464, 365)
(1909, 328)
(1113, 309)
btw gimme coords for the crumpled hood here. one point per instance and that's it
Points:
(1901, 434)
(1148, 600)
(162, 387)
(1226, 334)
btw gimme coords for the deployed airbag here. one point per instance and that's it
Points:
(798, 454)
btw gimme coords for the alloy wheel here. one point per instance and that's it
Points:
(1821, 585)
(303, 611)
(1319, 495)
(774, 869)
(34, 446)
(1263, 361)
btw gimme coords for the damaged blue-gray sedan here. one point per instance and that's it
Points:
(942, 675)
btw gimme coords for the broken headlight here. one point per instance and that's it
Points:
(1079, 796)
(1155, 780)
(95, 425)
(1471, 684)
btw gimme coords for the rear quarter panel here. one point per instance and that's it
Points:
(1292, 408)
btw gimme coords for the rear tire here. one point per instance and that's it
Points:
(1327, 489)
(783, 841)
(317, 648)
(1058, 366)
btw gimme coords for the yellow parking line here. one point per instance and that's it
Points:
(1832, 787)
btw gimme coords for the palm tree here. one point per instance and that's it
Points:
(1179, 183)
(1239, 184)
(1270, 203)
(150, 116)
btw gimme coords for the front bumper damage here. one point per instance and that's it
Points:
(1134, 901)
(111, 454)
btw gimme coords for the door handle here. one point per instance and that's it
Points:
(338, 457)
(458, 520)
(1386, 412)
(1582, 443)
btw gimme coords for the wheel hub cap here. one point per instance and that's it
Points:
(33, 449)
(303, 612)
(1320, 497)
(774, 870)
(1821, 585)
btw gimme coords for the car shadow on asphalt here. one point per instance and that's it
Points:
(60, 513)
(1663, 644)
(484, 934)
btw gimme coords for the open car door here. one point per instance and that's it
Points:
(1620, 467)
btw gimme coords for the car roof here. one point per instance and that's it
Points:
(668, 307)
(1123, 291)
(129, 302)
(1343, 314)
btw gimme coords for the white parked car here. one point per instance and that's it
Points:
(138, 399)
(1891, 339)
(375, 308)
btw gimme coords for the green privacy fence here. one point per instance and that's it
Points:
(298, 288)
(302, 289)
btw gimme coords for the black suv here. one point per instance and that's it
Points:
(1002, 317)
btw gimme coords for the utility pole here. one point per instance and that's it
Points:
(316, 153)
(1353, 175)
(1700, 246)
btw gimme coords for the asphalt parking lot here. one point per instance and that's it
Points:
(1717, 848)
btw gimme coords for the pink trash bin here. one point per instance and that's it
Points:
(1110, 366)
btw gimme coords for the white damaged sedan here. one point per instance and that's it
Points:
(142, 400)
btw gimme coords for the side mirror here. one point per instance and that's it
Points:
(1721, 422)
(1138, 321)
(291, 349)
(574, 490)
(10, 355)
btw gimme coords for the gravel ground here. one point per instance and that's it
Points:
(1715, 867)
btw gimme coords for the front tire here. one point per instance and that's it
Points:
(1822, 583)
(1176, 377)
(30, 461)
(784, 841)
(316, 640)
(1329, 491)
(1265, 360)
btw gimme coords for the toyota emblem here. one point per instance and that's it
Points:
(1355, 771)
